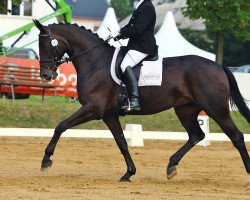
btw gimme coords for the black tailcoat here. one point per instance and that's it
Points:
(140, 29)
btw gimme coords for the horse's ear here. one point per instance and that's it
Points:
(39, 25)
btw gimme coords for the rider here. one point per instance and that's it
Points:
(140, 31)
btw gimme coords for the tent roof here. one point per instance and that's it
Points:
(110, 21)
(172, 43)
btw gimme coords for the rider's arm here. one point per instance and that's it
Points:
(145, 17)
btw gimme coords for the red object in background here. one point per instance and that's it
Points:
(65, 83)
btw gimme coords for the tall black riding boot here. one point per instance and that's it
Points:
(132, 87)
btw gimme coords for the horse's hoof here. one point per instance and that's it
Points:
(46, 165)
(171, 172)
(123, 179)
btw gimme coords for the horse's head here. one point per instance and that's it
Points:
(51, 50)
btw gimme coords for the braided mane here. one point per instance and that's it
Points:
(81, 28)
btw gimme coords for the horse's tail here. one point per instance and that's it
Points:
(236, 97)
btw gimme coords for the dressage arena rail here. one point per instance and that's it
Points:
(133, 133)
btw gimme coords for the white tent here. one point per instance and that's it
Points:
(110, 21)
(172, 43)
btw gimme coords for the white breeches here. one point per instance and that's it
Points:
(131, 59)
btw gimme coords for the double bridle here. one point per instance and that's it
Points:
(55, 59)
(53, 52)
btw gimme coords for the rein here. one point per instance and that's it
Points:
(54, 52)
(86, 51)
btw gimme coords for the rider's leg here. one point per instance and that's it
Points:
(131, 59)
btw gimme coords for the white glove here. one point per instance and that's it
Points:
(115, 33)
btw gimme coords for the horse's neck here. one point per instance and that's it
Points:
(79, 44)
(99, 58)
(85, 48)
(91, 56)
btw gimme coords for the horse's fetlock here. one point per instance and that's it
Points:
(132, 170)
(172, 162)
(48, 153)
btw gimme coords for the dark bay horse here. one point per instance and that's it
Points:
(190, 84)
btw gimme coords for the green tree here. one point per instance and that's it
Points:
(221, 16)
(122, 8)
(236, 50)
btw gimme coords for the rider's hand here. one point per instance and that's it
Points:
(115, 34)
(118, 37)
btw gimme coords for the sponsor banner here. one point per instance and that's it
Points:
(64, 84)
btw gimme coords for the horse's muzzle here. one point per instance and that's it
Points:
(50, 76)
(46, 77)
(54, 74)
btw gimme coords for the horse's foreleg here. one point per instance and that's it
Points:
(84, 114)
(188, 117)
(114, 126)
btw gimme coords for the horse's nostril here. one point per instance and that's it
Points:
(45, 76)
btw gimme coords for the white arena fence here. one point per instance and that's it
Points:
(133, 133)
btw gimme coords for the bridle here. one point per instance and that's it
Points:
(54, 54)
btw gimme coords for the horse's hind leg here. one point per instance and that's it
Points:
(187, 115)
(236, 136)
(114, 126)
(84, 114)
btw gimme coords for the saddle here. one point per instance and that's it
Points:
(136, 69)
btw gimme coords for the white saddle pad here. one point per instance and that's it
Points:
(150, 75)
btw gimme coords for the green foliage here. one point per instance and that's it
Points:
(123, 8)
(222, 15)
(236, 51)
(3, 5)
(17, 2)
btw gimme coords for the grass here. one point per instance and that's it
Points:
(47, 114)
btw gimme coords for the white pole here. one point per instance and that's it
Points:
(203, 120)
(136, 136)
